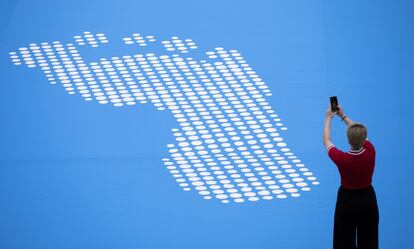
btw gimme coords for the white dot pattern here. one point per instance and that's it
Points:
(176, 44)
(87, 38)
(227, 144)
(139, 39)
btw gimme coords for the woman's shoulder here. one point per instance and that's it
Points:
(368, 144)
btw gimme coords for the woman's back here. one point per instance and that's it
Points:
(356, 167)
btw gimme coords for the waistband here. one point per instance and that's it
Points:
(360, 190)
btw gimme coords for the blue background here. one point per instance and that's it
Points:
(76, 174)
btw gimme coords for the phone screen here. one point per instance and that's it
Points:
(334, 104)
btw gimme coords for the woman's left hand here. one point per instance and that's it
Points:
(329, 112)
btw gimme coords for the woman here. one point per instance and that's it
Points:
(356, 212)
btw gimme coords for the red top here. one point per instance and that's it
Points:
(356, 166)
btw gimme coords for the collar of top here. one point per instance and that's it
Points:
(357, 152)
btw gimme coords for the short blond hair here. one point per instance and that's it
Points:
(357, 133)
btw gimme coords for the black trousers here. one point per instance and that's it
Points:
(356, 219)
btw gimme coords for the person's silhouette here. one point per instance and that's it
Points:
(356, 212)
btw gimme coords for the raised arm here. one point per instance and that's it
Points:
(327, 128)
(344, 117)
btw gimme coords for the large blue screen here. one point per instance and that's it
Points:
(188, 124)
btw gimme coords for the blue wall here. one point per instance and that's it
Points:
(76, 174)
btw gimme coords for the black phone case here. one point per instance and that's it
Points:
(334, 104)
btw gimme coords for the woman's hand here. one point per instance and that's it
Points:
(329, 112)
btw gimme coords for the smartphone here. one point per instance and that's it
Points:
(334, 104)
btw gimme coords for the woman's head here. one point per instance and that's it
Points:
(357, 133)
